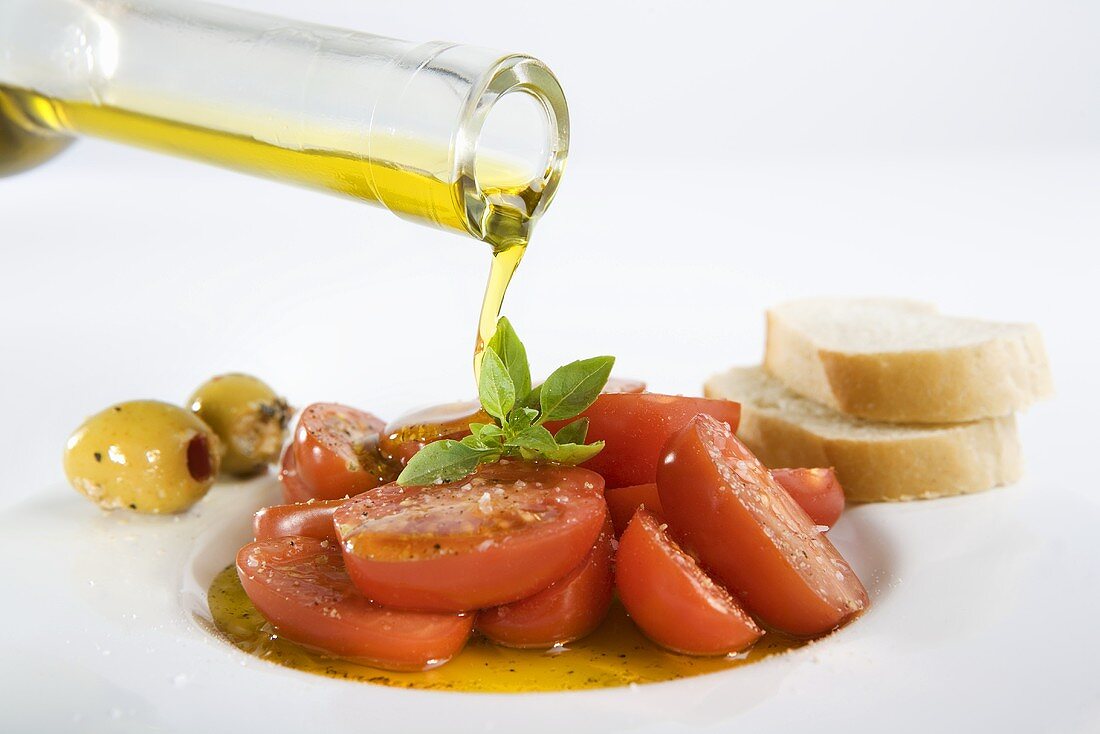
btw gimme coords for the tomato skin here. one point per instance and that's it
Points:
(299, 584)
(817, 491)
(402, 438)
(294, 489)
(501, 534)
(312, 519)
(671, 599)
(567, 610)
(623, 502)
(636, 428)
(724, 506)
(336, 451)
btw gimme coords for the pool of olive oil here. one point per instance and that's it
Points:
(34, 126)
(616, 654)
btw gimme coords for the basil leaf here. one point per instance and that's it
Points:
(491, 436)
(513, 354)
(495, 388)
(474, 441)
(520, 418)
(572, 388)
(442, 461)
(488, 430)
(533, 397)
(534, 438)
(573, 453)
(574, 432)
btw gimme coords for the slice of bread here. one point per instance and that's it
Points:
(874, 461)
(900, 361)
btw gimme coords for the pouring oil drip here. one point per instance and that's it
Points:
(501, 270)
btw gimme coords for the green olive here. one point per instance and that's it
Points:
(249, 418)
(146, 455)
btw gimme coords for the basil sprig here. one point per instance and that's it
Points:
(519, 413)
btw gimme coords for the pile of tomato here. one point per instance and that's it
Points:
(703, 544)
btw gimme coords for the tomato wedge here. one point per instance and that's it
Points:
(623, 502)
(402, 438)
(336, 451)
(671, 599)
(312, 519)
(567, 610)
(724, 506)
(504, 533)
(817, 491)
(294, 489)
(636, 428)
(300, 586)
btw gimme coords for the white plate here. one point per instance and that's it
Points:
(983, 606)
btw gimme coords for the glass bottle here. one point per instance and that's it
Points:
(464, 138)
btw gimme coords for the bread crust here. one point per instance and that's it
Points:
(989, 378)
(874, 462)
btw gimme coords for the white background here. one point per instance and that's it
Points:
(725, 157)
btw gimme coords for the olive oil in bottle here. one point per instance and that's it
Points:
(33, 126)
(465, 138)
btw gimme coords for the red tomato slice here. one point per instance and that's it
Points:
(402, 438)
(636, 428)
(567, 610)
(670, 598)
(623, 502)
(504, 533)
(336, 451)
(817, 491)
(623, 384)
(294, 489)
(300, 586)
(724, 506)
(312, 519)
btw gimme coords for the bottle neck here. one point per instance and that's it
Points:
(455, 136)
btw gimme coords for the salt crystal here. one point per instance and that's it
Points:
(485, 503)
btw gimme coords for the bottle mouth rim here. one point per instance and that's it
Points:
(513, 74)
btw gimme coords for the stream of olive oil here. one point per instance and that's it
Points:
(616, 654)
(34, 126)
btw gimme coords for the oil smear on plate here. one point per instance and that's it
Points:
(616, 654)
